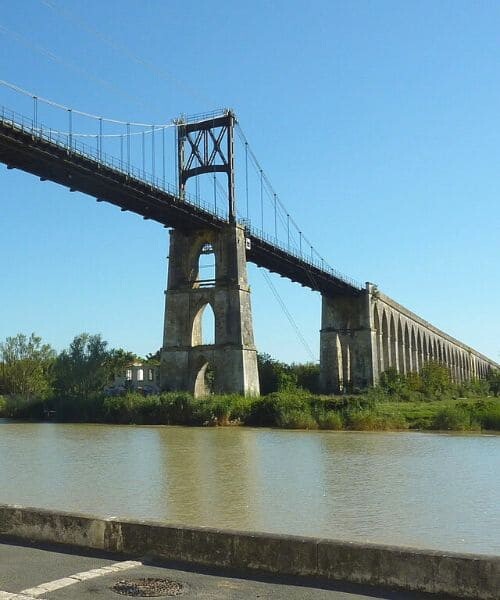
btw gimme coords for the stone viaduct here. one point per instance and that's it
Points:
(364, 335)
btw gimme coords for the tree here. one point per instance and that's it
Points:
(26, 370)
(436, 380)
(307, 376)
(274, 375)
(154, 358)
(494, 381)
(118, 360)
(87, 366)
(391, 381)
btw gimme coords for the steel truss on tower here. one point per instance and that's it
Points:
(207, 147)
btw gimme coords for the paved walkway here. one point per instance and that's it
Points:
(58, 574)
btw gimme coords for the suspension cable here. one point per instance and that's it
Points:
(289, 316)
(283, 214)
(78, 112)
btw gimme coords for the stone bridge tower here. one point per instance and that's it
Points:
(229, 365)
(347, 342)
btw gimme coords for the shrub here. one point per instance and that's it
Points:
(293, 418)
(455, 418)
(494, 382)
(361, 421)
(487, 413)
(19, 407)
(268, 410)
(490, 419)
(436, 380)
(330, 420)
(367, 420)
(391, 381)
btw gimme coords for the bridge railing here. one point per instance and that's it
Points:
(320, 264)
(65, 141)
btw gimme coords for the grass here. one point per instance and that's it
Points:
(292, 409)
(457, 415)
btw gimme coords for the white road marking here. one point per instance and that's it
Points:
(52, 586)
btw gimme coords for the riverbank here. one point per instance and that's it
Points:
(294, 409)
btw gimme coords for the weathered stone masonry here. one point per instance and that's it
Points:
(364, 335)
(233, 357)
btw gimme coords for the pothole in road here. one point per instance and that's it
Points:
(147, 587)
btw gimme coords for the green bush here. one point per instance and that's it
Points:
(369, 420)
(490, 419)
(330, 420)
(267, 410)
(19, 407)
(494, 382)
(487, 413)
(175, 408)
(473, 388)
(3, 406)
(219, 410)
(293, 418)
(362, 420)
(453, 418)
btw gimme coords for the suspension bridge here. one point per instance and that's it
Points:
(181, 174)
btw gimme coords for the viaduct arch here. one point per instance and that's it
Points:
(363, 336)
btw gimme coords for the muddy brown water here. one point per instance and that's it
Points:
(418, 489)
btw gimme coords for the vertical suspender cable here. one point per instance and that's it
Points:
(143, 156)
(275, 220)
(288, 230)
(163, 154)
(215, 193)
(70, 127)
(261, 201)
(176, 163)
(35, 112)
(100, 138)
(153, 151)
(300, 243)
(246, 175)
(128, 148)
(121, 151)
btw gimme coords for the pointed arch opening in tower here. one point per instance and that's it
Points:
(205, 381)
(206, 266)
(204, 326)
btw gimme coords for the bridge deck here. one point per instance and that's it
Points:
(33, 152)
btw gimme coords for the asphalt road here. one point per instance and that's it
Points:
(55, 573)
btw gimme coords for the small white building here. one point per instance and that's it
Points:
(141, 377)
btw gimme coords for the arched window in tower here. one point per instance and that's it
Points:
(205, 382)
(204, 326)
(206, 266)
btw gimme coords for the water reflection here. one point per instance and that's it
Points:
(416, 489)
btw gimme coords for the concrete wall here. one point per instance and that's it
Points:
(459, 575)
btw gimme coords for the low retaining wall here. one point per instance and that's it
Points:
(459, 575)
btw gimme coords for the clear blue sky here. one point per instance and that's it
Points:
(377, 122)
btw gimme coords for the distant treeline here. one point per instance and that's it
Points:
(38, 383)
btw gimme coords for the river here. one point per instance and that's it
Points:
(419, 489)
